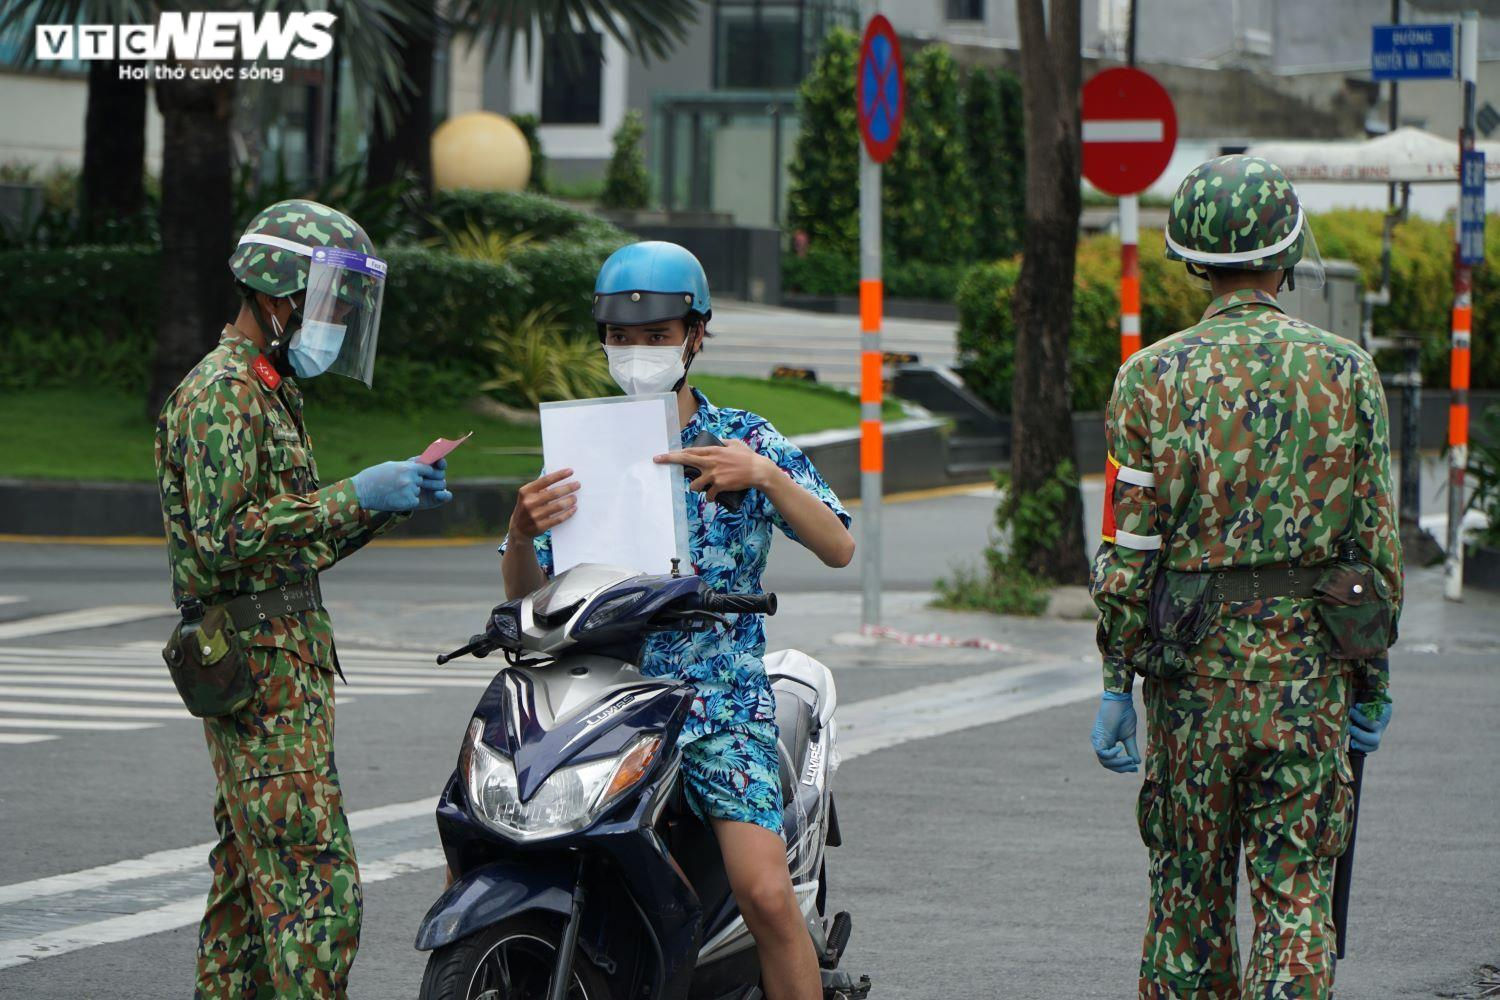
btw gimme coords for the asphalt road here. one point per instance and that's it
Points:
(987, 854)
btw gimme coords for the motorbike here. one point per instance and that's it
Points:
(577, 871)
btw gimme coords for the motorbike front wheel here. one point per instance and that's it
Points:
(511, 960)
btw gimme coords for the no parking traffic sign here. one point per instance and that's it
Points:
(1129, 130)
(881, 89)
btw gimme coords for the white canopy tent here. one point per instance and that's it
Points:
(1405, 156)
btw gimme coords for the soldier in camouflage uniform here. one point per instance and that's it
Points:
(1248, 484)
(245, 515)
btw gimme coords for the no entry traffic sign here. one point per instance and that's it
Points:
(881, 89)
(1129, 130)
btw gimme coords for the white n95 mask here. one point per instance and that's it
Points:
(314, 347)
(641, 371)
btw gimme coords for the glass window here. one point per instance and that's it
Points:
(759, 46)
(573, 86)
(966, 10)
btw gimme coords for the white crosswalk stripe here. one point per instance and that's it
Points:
(69, 621)
(51, 692)
(93, 725)
(151, 676)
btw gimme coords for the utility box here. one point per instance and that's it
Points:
(1336, 307)
(20, 204)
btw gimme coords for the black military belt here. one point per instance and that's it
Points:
(249, 610)
(1246, 583)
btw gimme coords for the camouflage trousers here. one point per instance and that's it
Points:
(283, 913)
(1242, 763)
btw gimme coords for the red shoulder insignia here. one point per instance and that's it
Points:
(266, 372)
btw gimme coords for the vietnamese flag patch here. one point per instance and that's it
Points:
(1111, 475)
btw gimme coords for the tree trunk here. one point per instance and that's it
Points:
(1041, 411)
(114, 151)
(196, 221)
(405, 145)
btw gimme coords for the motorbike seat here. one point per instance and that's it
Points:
(794, 673)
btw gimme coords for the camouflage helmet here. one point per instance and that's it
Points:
(1239, 212)
(267, 257)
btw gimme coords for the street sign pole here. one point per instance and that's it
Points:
(880, 101)
(1130, 251)
(871, 390)
(1466, 252)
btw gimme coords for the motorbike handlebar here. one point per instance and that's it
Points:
(480, 645)
(752, 604)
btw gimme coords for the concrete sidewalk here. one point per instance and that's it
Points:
(751, 339)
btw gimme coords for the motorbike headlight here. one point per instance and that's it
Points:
(611, 610)
(569, 800)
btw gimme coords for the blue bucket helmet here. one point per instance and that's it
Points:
(650, 282)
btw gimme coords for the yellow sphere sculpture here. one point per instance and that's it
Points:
(480, 151)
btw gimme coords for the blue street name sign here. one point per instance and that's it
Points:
(1471, 207)
(1412, 52)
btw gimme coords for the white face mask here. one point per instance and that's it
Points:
(644, 370)
(315, 347)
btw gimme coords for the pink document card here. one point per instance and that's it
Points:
(440, 448)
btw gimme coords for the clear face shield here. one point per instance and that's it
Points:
(341, 314)
(1308, 271)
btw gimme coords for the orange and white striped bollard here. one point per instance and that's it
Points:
(1130, 277)
(871, 390)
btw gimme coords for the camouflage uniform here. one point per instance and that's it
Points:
(1249, 440)
(244, 513)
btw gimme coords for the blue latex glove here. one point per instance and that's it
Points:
(1366, 725)
(1114, 725)
(390, 486)
(434, 485)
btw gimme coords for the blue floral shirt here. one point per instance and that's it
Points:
(729, 551)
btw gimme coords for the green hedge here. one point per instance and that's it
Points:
(69, 291)
(822, 271)
(520, 211)
(1421, 297)
(67, 307)
(1422, 287)
(987, 336)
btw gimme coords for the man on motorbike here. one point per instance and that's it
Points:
(651, 303)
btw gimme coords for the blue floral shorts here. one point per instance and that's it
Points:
(734, 774)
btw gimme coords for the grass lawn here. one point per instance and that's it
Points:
(102, 435)
(794, 407)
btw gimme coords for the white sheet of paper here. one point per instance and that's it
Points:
(631, 511)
